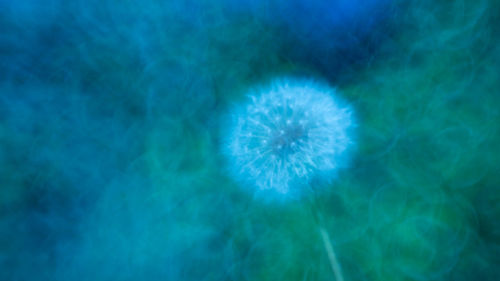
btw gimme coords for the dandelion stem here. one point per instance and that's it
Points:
(337, 271)
(325, 237)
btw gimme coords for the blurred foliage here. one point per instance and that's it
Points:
(111, 115)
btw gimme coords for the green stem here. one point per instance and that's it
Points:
(327, 244)
(337, 271)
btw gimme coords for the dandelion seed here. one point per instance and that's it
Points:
(302, 134)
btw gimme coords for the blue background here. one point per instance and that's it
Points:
(111, 118)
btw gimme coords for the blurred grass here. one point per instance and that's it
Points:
(111, 137)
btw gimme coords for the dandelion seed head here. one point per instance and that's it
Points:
(290, 133)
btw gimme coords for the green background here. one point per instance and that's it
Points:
(112, 121)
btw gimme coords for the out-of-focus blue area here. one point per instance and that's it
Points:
(317, 33)
(112, 126)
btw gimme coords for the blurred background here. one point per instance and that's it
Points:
(110, 139)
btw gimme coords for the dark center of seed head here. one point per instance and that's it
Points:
(287, 141)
